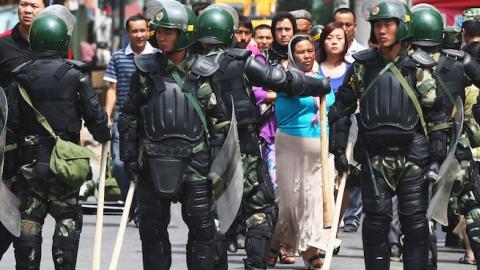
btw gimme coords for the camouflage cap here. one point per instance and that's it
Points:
(471, 14)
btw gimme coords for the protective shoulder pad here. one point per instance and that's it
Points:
(365, 55)
(21, 67)
(204, 67)
(77, 64)
(454, 53)
(238, 53)
(147, 62)
(423, 59)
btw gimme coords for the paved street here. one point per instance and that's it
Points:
(350, 256)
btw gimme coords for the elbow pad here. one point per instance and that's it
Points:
(127, 127)
(266, 76)
(301, 85)
(472, 69)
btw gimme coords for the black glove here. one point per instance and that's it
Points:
(438, 146)
(131, 169)
(341, 163)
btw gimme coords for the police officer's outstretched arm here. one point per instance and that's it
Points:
(93, 114)
(292, 82)
(127, 127)
(339, 119)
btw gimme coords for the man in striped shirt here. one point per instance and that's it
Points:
(118, 74)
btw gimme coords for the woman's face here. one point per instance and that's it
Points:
(304, 55)
(335, 42)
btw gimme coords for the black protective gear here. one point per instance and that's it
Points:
(221, 244)
(6, 239)
(61, 92)
(388, 116)
(154, 220)
(196, 212)
(341, 129)
(127, 127)
(472, 69)
(433, 252)
(131, 169)
(67, 247)
(257, 245)
(438, 146)
(341, 163)
(23, 246)
(473, 48)
(451, 72)
(411, 192)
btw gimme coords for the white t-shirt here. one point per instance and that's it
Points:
(354, 48)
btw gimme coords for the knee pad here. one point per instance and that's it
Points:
(196, 210)
(375, 229)
(221, 257)
(156, 247)
(65, 249)
(257, 245)
(28, 252)
(200, 256)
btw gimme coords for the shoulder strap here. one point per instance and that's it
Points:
(193, 100)
(40, 118)
(411, 94)
(375, 79)
(444, 88)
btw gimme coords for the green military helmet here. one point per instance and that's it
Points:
(217, 25)
(471, 14)
(51, 30)
(427, 26)
(172, 15)
(316, 32)
(394, 9)
(189, 37)
(452, 38)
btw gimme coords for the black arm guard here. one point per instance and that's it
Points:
(472, 69)
(127, 122)
(95, 117)
(294, 83)
(127, 127)
(339, 135)
(438, 140)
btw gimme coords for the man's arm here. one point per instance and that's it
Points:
(110, 99)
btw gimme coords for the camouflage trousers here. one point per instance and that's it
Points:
(36, 203)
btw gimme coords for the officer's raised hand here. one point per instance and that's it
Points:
(341, 162)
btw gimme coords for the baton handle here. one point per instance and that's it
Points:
(123, 226)
(97, 246)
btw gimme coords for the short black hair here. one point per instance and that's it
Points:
(260, 27)
(138, 17)
(245, 22)
(345, 10)
(472, 27)
(46, 3)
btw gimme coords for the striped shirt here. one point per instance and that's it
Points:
(121, 68)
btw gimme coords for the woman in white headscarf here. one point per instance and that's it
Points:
(299, 166)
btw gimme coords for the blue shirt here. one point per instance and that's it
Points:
(295, 114)
(335, 82)
(120, 70)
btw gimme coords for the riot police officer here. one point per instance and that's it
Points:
(170, 113)
(396, 93)
(60, 90)
(455, 70)
(237, 71)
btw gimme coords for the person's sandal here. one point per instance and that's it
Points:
(465, 260)
(313, 262)
(272, 258)
(284, 256)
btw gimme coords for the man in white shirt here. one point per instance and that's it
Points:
(346, 17)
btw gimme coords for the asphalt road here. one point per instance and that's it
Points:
(350, 257)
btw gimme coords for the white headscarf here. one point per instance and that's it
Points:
(291, 60)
